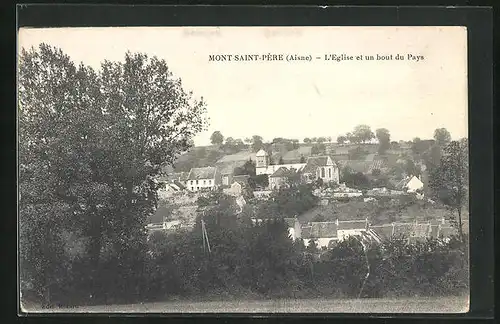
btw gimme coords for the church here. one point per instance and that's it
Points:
(316, 167)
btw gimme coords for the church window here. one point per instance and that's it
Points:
(322, 172)
(329, 173)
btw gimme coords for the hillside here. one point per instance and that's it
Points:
(202, 156)
(378, 212)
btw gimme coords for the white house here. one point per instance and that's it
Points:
(410, 184)
(207, 178)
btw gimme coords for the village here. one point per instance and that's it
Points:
(350, 182)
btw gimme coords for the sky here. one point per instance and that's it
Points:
(298, 99)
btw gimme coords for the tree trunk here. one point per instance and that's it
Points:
(95, 247)
(460, 232)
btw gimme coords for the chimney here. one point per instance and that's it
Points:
(337, 222)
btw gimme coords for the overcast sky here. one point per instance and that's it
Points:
(298, 99)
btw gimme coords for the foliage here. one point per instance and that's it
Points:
(318, 149)
(357, 153)
(442, 137)
(217, 138)
(247, 169)
(261, 180)
(361, 134)
(384, 140)
(289, 201)
(257, 143)
(419, 147)
(450, 181)
(356, 180)
(341, 139)
(90, 143)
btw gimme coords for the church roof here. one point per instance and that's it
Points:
(283, 172)
(313, 162)
(261, 152)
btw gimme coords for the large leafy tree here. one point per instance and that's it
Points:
(362, 134)
(450, 180)
(257, 143)
(217, 138)
(384, 140)
(90, 144)
(442, 137)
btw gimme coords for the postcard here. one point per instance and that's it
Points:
(243, 169)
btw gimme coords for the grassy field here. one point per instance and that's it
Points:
(386, 305)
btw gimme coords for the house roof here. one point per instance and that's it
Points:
(282, 172)
(202, 173)
(322, 230)
(412, 229)
(352, 224)
(313, 162)
(403, 183)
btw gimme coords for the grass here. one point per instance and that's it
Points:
(368, 305)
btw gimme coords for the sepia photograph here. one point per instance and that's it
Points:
(243, 169)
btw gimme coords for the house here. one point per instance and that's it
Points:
(207, 178)
(321, 167)
(410, 184)
(280, 178)
(240, 183)
(323, 233)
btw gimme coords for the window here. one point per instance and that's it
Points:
(204, 182)
(329, 173)
(197, 188)
(209, 182)
(322, 172)
(192, 182)
(196, 181)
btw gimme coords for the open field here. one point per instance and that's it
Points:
(385, 305)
